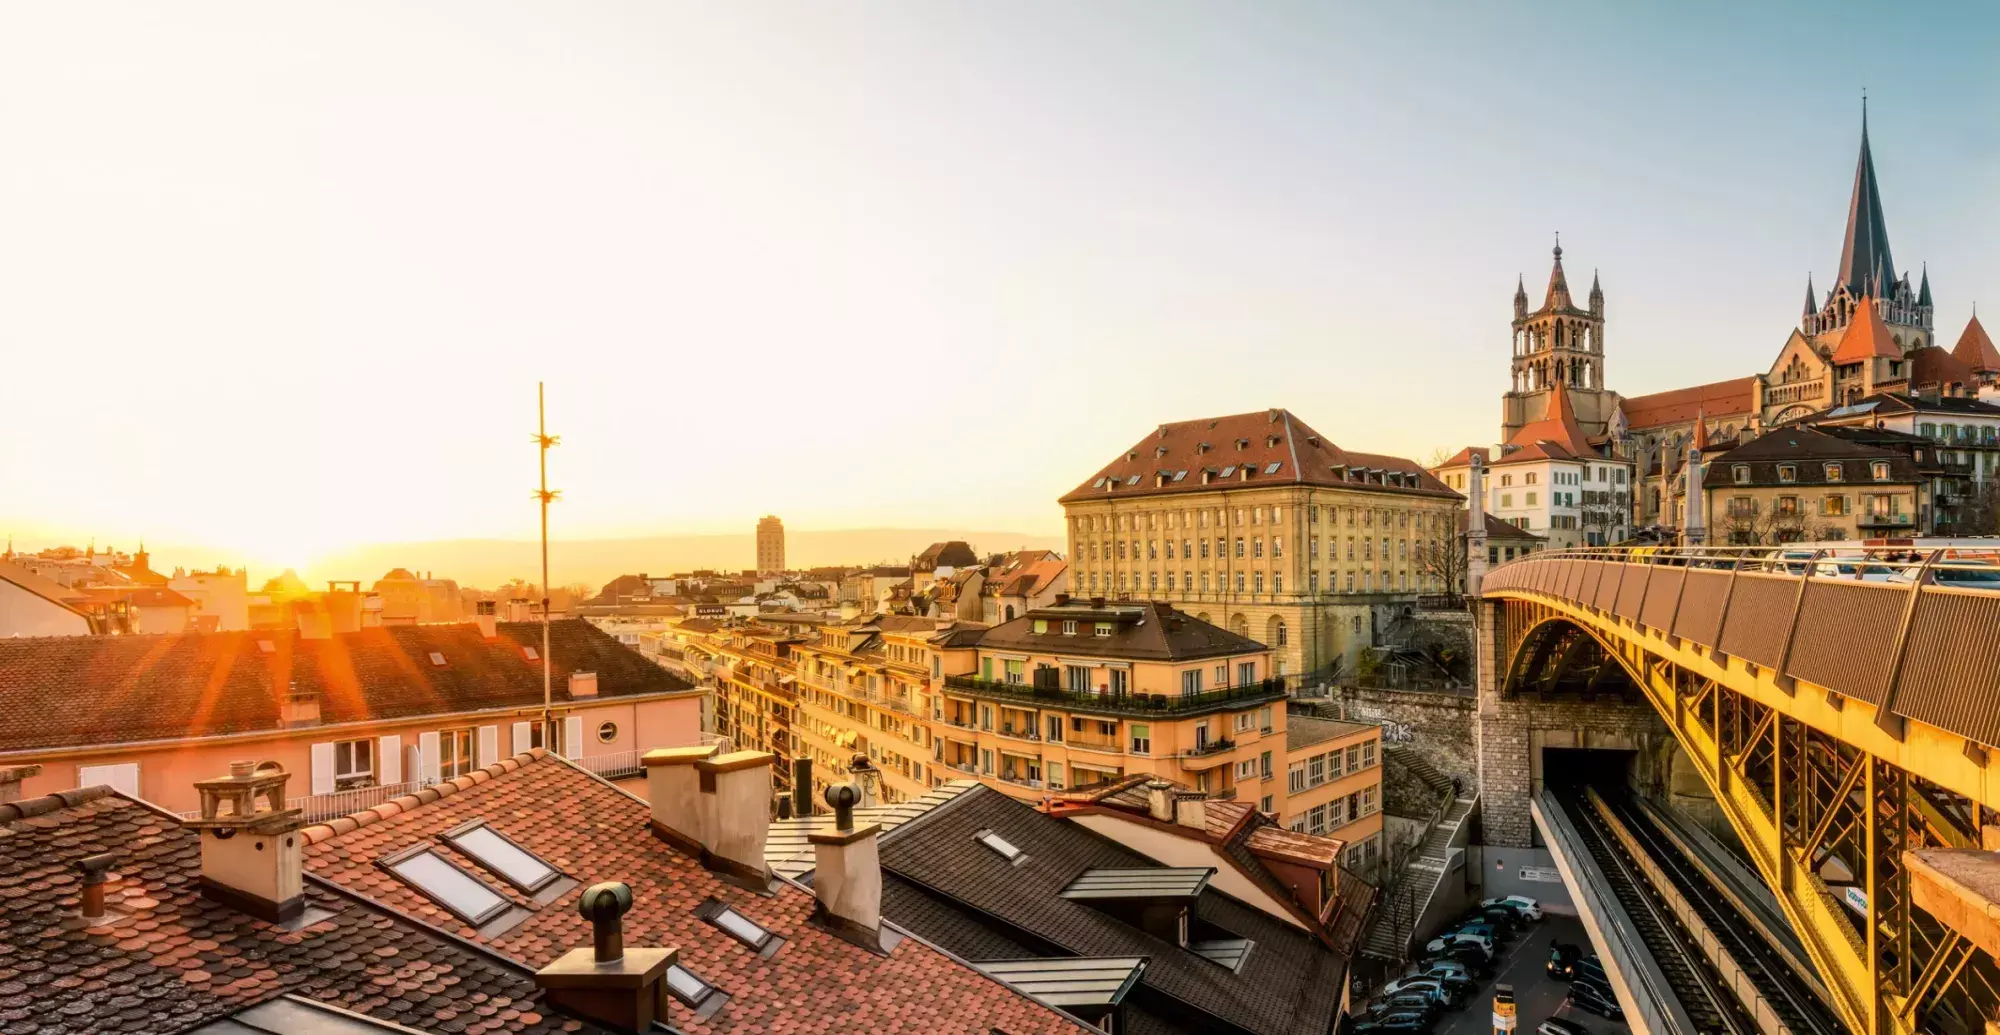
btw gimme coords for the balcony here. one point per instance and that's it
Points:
(1213, 747)
(1885, 521)
(1018, 733)
(1020, 781)
(1136, 704)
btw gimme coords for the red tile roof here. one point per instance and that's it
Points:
(1932, 365)
(130, 688)
(1732, 398)
(1463, 458)
(173, 960)
(1272, 446)
(593, 832)
(1557, 436)
(1867, 336)
(1975, 349)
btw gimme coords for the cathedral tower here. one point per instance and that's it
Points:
(1868, 271)
(1558, 343)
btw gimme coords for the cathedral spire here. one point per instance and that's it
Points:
(1924, 293)
(1811, 306)
(1558, 297)
(1864, 254)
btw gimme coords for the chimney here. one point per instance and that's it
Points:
(802, 786)
(674, 790)
(92, 869)
(1160, 800)
(315, 622)
(735, 801)
(606, 983)
(867, 781)
(11, 778)
(1191, 812)
(847, 873)
(250, 856)
(486, 616)
(300, 707)
(582, 684)
(1061, 599)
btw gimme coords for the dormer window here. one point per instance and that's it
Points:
(1242, 443)
(1788, 473)
(1880, 469)
(1101, 629)
(1069, 628)
(1835, 472)
(1741, 472)
(1041, 626)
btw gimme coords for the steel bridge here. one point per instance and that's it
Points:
(1841, 709)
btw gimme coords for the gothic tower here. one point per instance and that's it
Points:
(1868, 271)
(1558, 344)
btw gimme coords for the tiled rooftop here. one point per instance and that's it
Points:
(591, 831)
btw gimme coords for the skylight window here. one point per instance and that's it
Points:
(267, 646)
(738, 926)
(687, 988)
(531, 653)
(496, 852)
(999, 844)
(470, 898)
(1178, 475)
(1273, 468)
(437, 659)
(1099, 483)
(1227, 471)
(1133, 480)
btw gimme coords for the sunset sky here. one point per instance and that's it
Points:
(279, 279)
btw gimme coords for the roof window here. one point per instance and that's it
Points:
(1001, 845)
(1227, 471)
(1099, 483)
(1273, 467)
(469, 898)
(267, 646)
(437, 659)
(738, 926)
(692, 991)
(499, 854)
(1133, 480)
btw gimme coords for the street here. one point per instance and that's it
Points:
(1536, 995)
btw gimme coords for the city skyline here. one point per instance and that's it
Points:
(1334, 228)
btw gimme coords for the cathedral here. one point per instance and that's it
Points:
(1870, 336)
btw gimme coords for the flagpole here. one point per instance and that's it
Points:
(543, 440)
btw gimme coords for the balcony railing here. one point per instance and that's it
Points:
(1213, 747)
(1021, 781)
(613, 766)
(1121, 704)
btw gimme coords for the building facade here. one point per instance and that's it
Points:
(770, 544)
(1796, 484)
(1260, 524)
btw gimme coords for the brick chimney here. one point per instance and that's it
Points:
(847, 872)
(582, 684)
(11, 778)
(674, 789)
(606, 983)
(486, 616)
(736, 814)
(251, 852)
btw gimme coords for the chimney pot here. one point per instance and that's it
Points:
(251, 858)
(93, 868)
(842, 797)
(735, 803)
(847, 873)
(605, 906)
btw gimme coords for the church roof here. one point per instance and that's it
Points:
(1975, 348)
(1866, 337)
(1557, 436)
(1924, 292)
(1734, 397)
(1811, 307)
(1558, 296)
(1865, 264)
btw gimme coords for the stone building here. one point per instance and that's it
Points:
(770, 544)
(1262, 525)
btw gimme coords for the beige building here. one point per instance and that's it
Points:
(770, 544)
(1798, 484)
(1262, 525)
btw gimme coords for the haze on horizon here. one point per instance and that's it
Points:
(277, 282)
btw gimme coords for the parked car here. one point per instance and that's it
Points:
(1961, 575)
(1560, 1026)
(1590, 968)
(1586, 995)
(1495, 933)
(1442, 968)
(1405, 1023)
(1520, 905)
(1563, 958)
(1453, 941)
(1448, 993)
(1413, 1001)
(1499, 916)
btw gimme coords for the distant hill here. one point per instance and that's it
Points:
(486, 563)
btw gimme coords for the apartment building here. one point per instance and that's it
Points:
(1795, 484)
(362, 716)
(1260, 524)
(1333, 786)
(870, 687)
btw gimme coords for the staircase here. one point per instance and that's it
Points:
(1395, 921)
(1421, 768)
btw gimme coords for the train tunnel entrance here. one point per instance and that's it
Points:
(1576, 767)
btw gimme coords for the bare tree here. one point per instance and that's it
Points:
(1748, 524)
(1443, 560)
(1980, 514)
(1608, 513)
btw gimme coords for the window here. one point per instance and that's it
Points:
(1246, 770)
(353, 760)
(1142, 739)
(1834, 506)
(1740, 472)
(1880, 469)
(1788, 473)
(469, 898)
(1315, 770)
(531, 653)
(1239, 546)
(1295, 777)
(437, 659)
(1101, 629)
(1069, 627)
(1316, 820)
(1368, 754)
(1000, 845)
(1077, 677)
(1190, 682)
(1264, 770)
(690, 990)
(1264, 805)
(1246, 673)
(1055, 728)
(455, 752)
(736, 925)
(1055, 774)
(1041, 626)
(499, 854)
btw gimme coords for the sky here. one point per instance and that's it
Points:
(279, 280)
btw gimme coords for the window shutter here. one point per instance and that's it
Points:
(523, 737)
(489, 745)
(389, 760)
(573, 736)
(322, 767)
(427, 755)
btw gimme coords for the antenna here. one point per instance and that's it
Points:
(543, 440)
